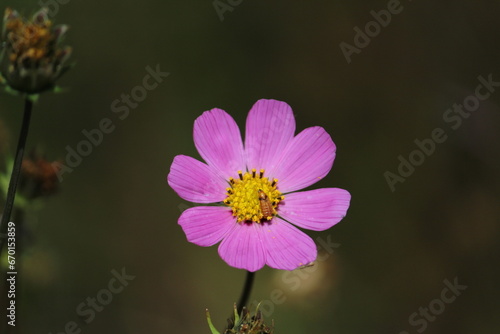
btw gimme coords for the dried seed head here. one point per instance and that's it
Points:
(31, 59)
(247, 324)
(244, 323)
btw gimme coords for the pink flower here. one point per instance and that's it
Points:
(254, 187)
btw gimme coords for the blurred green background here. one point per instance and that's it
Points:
(115, 210)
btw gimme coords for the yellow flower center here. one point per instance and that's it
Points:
(253, 197)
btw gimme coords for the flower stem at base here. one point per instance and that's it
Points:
(16, 170)
(247, 289)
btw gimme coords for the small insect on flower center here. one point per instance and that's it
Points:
(253, 197)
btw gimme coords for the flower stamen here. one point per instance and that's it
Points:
(253, 197)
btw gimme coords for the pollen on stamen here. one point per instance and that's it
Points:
(244, 196)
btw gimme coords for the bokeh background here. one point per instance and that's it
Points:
(394, 248)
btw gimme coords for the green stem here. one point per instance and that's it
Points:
(245, 294)
(246, 291)
(16, 171)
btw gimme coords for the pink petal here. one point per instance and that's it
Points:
(242, 247)
(270, 127)
(217, 138)
(317, 209)
(307, 159)
(206, 225)
(195, 181)
(286, 246)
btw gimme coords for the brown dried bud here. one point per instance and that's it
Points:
(31, 60)
(38, 177)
